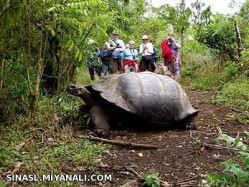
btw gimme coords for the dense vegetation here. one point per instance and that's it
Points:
(43, 48)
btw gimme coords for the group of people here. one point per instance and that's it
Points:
(116, 57)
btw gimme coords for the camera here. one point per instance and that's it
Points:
(169, 41)
(118, 46)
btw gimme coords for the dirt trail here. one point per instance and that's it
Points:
(181, 157)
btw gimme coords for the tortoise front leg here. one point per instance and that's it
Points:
(99, 118)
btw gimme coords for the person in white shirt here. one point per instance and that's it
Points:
(116, 46)
(146, 50)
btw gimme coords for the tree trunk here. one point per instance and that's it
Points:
(39, 70)
(182, 14)
(219, 62)
(37, 84)
(238, 39)
(182, 44)
(2, 77)
(28, 55)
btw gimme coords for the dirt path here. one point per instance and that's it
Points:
(181, 157)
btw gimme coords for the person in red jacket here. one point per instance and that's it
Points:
(171, 55)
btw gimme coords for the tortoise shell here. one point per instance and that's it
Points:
(155, 98)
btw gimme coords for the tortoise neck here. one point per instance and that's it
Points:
(87, 98)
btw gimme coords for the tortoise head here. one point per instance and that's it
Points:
(76, 90)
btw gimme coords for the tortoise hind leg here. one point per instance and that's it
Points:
(99, 118)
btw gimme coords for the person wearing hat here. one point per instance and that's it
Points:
(146, 50)
(93, 61)
(130, 59)
(116, 46)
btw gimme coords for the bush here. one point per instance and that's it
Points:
(235, 93)
(152, 180)
(190, 70)
(232, 69)
(3, 156)
(15, 92)
(208, 80)
(235, 173)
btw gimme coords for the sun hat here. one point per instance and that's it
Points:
(114, 32)
(145, 37)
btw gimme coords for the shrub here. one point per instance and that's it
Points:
(231, 69)
(235, 173)
(235, 93)
(152, 180)
(15, 92)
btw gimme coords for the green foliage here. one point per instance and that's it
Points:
(46, 144)
(219, 35)
(201, 14)
(152, 180)
(232, 69)
(79, 154)
(235, 173)
(15, 96)
(197, 143)
(177, 16)
(245, 61)
(67, 106)
(205, 83)
(190, 70)
(3, 156)
(243, 15)
(198, 76)
(235, 93)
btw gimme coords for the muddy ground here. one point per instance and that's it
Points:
(182, 159)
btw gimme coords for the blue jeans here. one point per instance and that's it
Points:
(105, 69)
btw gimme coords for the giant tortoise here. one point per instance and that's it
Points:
(146, 98)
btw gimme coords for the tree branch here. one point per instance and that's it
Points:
(119, 143)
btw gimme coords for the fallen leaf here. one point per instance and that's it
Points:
(179, 146)
(51, 140)
(56, 118)
(20, 146)
(140, 154)
(35, 158)
(164, 184)
(204, 183)
(17, 167)
(132, 151)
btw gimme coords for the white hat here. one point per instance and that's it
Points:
(115, 32)
(90, 41)
(145, 37)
